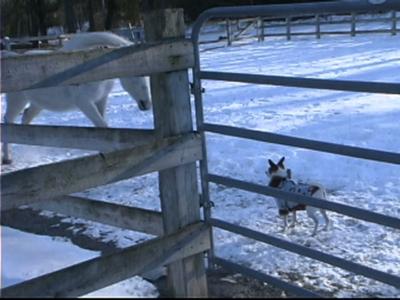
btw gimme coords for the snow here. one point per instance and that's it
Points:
(359, 119)
(30, 249)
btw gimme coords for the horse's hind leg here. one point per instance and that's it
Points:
(101, 106)
(91, 111)
(311, 213)
(16, 102)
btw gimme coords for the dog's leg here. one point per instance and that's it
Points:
(324, 214)
(284, 223)
(311, 214)
(293, 223)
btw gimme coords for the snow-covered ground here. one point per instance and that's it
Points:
(360, 119)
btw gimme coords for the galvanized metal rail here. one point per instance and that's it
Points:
(341, 85)
(308, 252)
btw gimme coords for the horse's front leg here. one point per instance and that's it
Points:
(16, 102)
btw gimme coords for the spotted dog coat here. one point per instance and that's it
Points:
(289, 185)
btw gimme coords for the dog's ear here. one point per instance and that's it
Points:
(271, 163)
(280, 163)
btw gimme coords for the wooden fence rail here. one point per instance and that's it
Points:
(87, 138)
(65, 68)
(127, 217)
(39, 183)
(317, 22)
(103, 271)
(292, 21)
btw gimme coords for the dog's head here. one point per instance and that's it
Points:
(278, 170)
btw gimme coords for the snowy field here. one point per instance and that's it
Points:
(359, 119)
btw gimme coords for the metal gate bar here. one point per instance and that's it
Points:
(308, 252)
(370, 154)
(357, 213)
(342, 85)
(313, 83)
(264, 277)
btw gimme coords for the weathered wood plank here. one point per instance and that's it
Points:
(49, 181)
(88, 138)
(103, 271)
(133, 218)
(75, 67)
(178, 185)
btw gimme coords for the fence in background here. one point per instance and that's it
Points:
(132, 33)
(295, 24)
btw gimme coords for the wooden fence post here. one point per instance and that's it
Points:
(288, 28)
(394, 21)
(178, 186)
(353, 24)
(318, 26)
(229, 32)
(260, 27)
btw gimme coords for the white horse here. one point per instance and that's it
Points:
(90, 98)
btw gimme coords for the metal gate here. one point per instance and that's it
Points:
(357, 152)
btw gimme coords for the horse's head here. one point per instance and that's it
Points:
(139, 89)
(278, 170)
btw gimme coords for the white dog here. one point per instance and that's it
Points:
(280, 178)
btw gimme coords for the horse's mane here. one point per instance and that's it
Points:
(94, 39)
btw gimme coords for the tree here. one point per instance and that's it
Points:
(70, 19)
(90, 8)
(111, 9)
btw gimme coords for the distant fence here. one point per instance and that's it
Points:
(295, 24)
(134, 34)
(27, 42)
(259, 27)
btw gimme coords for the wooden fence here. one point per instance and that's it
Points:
(237, 29)
(172, 149)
